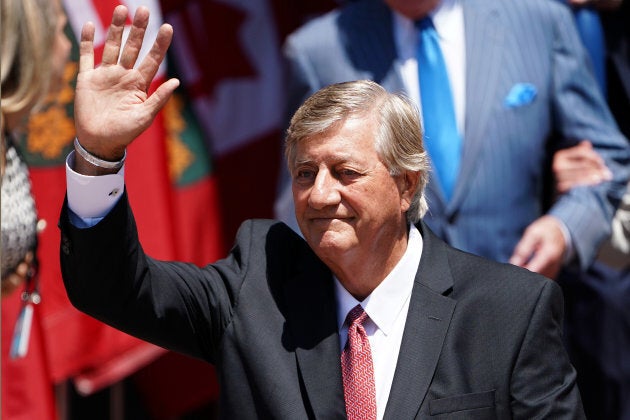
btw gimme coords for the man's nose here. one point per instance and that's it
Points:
(325, 191)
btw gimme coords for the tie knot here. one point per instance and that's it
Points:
(356, 316)
(424, 23)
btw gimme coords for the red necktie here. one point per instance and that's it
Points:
(357, 369)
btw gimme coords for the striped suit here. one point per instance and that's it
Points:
(507, 145)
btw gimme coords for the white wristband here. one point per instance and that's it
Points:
(106, 164)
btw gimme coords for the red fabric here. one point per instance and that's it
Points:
(357, 369)
(67, 350)
(27, 391)
(77, 346)
(198, 219)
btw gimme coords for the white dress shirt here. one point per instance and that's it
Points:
(90, 198)
(448, 20)
(387, 308)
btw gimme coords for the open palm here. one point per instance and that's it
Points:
(112, 105)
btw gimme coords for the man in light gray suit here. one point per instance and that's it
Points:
(521, 88)
(438, 332)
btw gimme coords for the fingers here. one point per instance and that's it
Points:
(547, 260)
(86, 48)
(543, 263)
(111, 50)
(585, 157)
(158, 99)
(582, 153)
(524, 250)
(579, 165)
(136, 36)
(131, 50)
(22, 269)
(16, 278)
(542, 247)
(151, 63)
(10, 283)
(574, 177)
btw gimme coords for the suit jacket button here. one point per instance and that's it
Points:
(65, 245)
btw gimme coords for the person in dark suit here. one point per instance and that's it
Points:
(597, 332)
(439, 333)
(597, 335)
(521, 88)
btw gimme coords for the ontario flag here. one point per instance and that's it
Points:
(173, 192)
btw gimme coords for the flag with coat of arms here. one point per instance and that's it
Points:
(170, 181)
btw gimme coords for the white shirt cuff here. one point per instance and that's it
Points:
(92, 197)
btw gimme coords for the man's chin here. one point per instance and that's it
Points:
(329, 242)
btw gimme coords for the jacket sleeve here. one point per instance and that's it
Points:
(543, 383)
(178, 306)
(580, 113)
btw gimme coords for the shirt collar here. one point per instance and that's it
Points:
(447, 19)
(443, 20)
(385, 302)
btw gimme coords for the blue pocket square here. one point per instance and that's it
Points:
(520, 94)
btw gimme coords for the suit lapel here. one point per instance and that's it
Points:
(484, 45)
(312, 322)
(430, 313)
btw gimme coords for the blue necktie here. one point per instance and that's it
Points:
(441, 138)
(592, 35)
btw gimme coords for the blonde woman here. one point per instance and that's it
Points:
(34, 51)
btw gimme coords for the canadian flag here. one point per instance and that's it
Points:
(227, 55)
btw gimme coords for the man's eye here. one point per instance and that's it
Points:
(304, 175)
(348, 173)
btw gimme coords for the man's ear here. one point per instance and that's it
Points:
(408, 185)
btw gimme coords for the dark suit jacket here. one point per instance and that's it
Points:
(482, 339)
(617, 31)
(597, 333)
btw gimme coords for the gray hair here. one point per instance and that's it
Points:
(398, 139)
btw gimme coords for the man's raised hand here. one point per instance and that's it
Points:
(112, 104)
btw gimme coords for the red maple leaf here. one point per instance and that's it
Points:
(211, 30)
